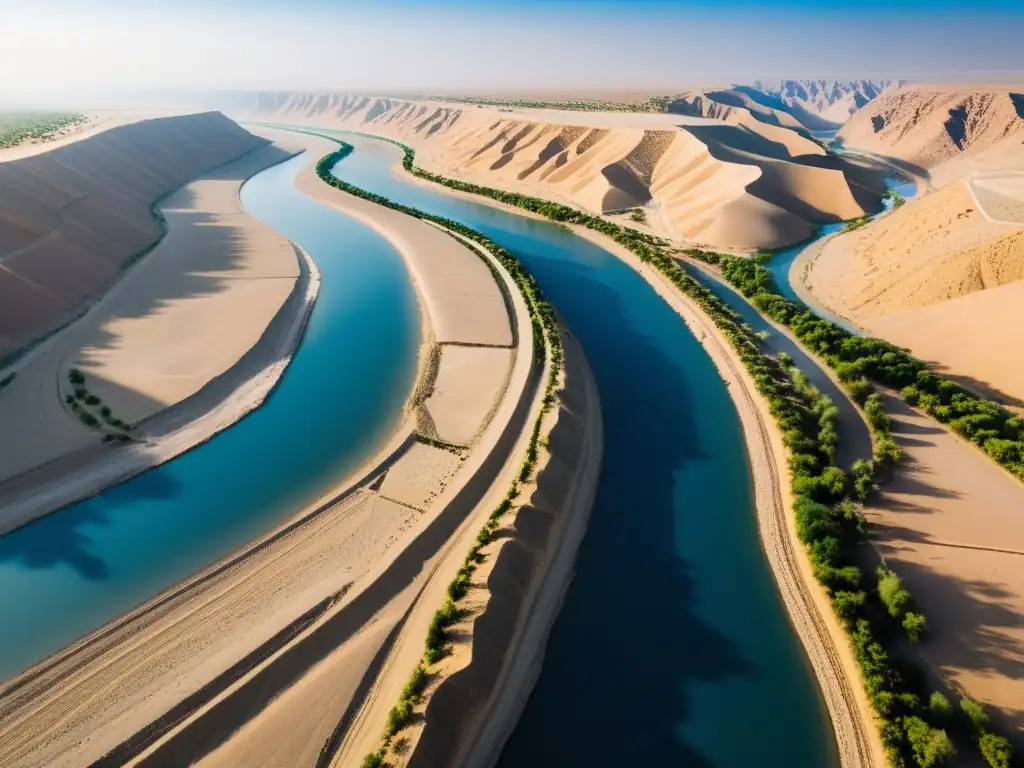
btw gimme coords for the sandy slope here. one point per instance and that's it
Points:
(739, 184)
(238, 289)
(478, 693)
(71, 216)
(935, 276)
(928, 126)
(202, 660)
(950, 525)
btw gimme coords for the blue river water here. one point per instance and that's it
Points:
(343, 393)
(673, 647)
(782, 262)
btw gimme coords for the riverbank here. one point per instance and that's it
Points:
(220, 664)
(812, 615)
(193, 384)
(823, 638)
(475, 696)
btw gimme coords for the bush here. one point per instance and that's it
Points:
(75, 376)
(399, 717)
(996, 750)
(859, 389)
(105, 411)
(80, 393)
(92, 400)
(69, 399)
(977, 718)
(863, 472)
(888, 454)
(637, 214)
(915, 626)
(374, 760)
(876, 415)
(847, 605)
(894, 597)
(931, 746)
(88, 419)
(940, 708)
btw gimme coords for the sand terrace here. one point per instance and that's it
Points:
(174, 325)
(950, 523)
(298, 622)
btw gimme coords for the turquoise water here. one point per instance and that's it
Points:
(782, 261)
(68, 573)
(673, 647)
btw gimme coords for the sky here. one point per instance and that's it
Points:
(75, 48)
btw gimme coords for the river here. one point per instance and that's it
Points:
(673, 647)
(70, 572)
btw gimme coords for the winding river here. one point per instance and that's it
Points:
(68, 573)
(673, 646)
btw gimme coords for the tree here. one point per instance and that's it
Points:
(931, 746)
(894, 597)
(977, 718)
(915, 625)
(996, 750)
(847, 604)
(939, 707)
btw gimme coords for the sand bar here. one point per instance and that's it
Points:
(285, 613)
(240, 290)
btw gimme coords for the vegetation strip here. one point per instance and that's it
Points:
(828, 517)
(546, 347)
(18, 128)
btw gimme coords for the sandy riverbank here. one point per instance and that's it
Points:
(188, 341)
(478, 694)
(257, 659)
(824, 640)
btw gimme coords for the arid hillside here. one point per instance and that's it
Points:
(735, 183)
(929, 126)
(941, 278)
(70, 218)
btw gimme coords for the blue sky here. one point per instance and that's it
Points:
(397, 45)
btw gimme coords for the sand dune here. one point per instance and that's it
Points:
(949, 524)
(70, 217)
(256, 659)
(929, 126)
(740, 183)
(935, 276)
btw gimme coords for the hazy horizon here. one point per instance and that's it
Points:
(61, 52)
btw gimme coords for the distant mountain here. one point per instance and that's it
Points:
(801, 105)
(831, 100)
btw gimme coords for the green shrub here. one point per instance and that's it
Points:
(88, 419)
(80, 393)
(894, 597)
(75, 376)
(105, 411)
(863, 473)
(930, 746)
(915, 626)
(847, 605)
(977, 718)
(637, 214)
(996, 750)
(69, 399)
(859, 389)
(940, 708)
(399, 717)
(374, 760)
(888, 454)
(413, 690)
(92, 400)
